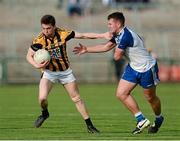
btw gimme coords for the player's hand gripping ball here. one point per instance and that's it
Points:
(41, 56)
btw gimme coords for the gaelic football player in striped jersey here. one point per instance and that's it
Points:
(54, 39)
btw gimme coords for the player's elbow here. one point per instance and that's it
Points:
(116, 57)
(27, 57)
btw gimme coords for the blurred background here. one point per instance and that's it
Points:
(157, 21)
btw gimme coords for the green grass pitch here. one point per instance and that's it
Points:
(19, 108)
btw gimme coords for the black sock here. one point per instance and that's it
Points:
(45, 113)
(88, 122)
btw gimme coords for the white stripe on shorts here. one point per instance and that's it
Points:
(154, 73)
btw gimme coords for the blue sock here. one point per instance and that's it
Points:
(139, 116)
(158, 121)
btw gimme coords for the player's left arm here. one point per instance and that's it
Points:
(105, 35)
(119, 50)
(118, 54)
(29, 58)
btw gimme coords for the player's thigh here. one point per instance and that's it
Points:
(72, 89)
(125, 87)
(45, 86)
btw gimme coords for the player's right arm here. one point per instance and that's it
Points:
(29, 57)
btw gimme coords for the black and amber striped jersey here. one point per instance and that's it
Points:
(56, 47)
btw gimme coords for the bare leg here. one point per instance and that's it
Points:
(154, 101)
(44, 89)
(73, 92)
(123, 94)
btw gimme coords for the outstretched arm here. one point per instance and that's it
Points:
(106, 35)
(81, 49)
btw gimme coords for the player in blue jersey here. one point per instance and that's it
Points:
(142, 69)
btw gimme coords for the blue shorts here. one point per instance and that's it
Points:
(145, 79)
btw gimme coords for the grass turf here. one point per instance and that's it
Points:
(19, 109)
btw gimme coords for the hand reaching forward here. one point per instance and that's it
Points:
(81, 49)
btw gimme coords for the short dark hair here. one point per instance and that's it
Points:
(117, 16)
(48, 19)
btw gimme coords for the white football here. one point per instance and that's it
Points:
(41, 55)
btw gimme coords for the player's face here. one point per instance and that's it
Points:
(114, 26)
(48, 30)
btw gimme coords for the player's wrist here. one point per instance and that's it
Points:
(86, 50)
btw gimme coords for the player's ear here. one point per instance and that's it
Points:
(36, 46)
(54, 27)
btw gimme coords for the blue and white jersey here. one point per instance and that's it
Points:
(139, 58)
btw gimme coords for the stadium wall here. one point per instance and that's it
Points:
(158, 24)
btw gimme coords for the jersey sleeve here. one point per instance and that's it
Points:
(65, 34)
(36, 46)
(126, 40)
(37, 42)
(123, 44)
(113, 40)
(71, 34)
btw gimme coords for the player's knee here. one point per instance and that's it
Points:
(76, 98)
(121, 95)
(118, 95)
(151, 98)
